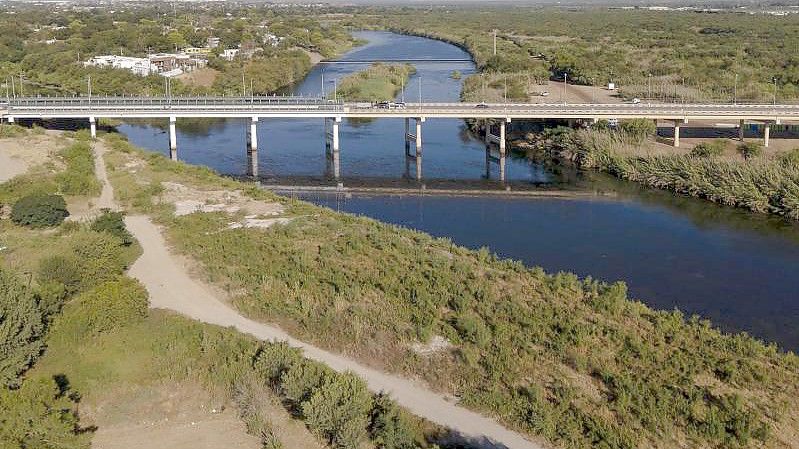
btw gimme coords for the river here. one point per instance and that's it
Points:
(738, 269)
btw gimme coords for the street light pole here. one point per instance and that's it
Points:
(775, 90)
(735, 91)
(563, 94)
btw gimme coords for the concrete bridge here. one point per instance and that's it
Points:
(494, 115)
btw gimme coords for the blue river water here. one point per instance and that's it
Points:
(739, 270)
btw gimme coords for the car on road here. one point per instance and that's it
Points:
(389, 105)
(635, 101)
(481, 106)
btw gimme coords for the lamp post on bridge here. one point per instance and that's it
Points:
(774, 101)
(735, 91)
(563, 94)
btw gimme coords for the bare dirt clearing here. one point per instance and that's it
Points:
(171, 416)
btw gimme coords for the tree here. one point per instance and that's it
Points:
(21, 329)
(750, 149)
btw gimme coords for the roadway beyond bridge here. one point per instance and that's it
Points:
(494, 115)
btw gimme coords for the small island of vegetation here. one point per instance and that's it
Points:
(379, 82)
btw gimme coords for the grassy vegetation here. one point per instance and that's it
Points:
(575, 361)
(757, 183)
(690, 55)
(379, 82)
(75, 331)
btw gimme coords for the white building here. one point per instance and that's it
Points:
(139, 66)
(230, 53)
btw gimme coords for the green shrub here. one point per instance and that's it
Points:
(78, 178)
(639, 128)
(42, 415)
(272, 360)
(790, 158)
(12, 130)
(84, 260)
(39, 211)
(114, 224)
(21, 329)
(302, 379)
(338, 410)
(750, 150)
(389, 428)
(709, 149)
(112, 305)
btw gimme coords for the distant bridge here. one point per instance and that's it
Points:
(396, 60)
(495, 115)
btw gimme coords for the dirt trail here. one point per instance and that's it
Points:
(171, 287)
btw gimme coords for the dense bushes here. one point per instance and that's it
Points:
(639, 128)
(42, 415)
(112, 304)
(761, 185)
(709, 149)
(114, 224)
(21, 328)
(750, 150)
(84, 260)
(39, 210)
(78, 178)
(337, 407)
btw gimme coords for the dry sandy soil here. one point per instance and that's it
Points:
(18, 155)
(171, 416)
(203, 77)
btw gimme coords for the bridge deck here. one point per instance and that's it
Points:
(299, 107)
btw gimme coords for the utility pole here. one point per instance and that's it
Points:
(243, 86)
(323, 83)
(563, 94)
(735, 91)
(495, 42)
(649, 88)
(593, 91)
(89, 87)
(20, 86)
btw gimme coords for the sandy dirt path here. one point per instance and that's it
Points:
(171, 287)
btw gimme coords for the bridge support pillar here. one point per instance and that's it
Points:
(741, 130)
(252, 150)
(336, 149)
(676, 134)
(407, 136)
(766, 133)
(173, 139)
(419, 121)
(93, 127)
(10, 119)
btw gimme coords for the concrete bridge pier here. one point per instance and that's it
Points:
(501, 141)
(10, 119)
(677, 133)
(252, 149)
(334, 149)
(766, 133)
(419, 121)
(408, 136)
(93, 127)
(741, 130)
(173, 139)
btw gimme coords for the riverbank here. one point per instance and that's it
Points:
(762, 183)
(457, 318)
